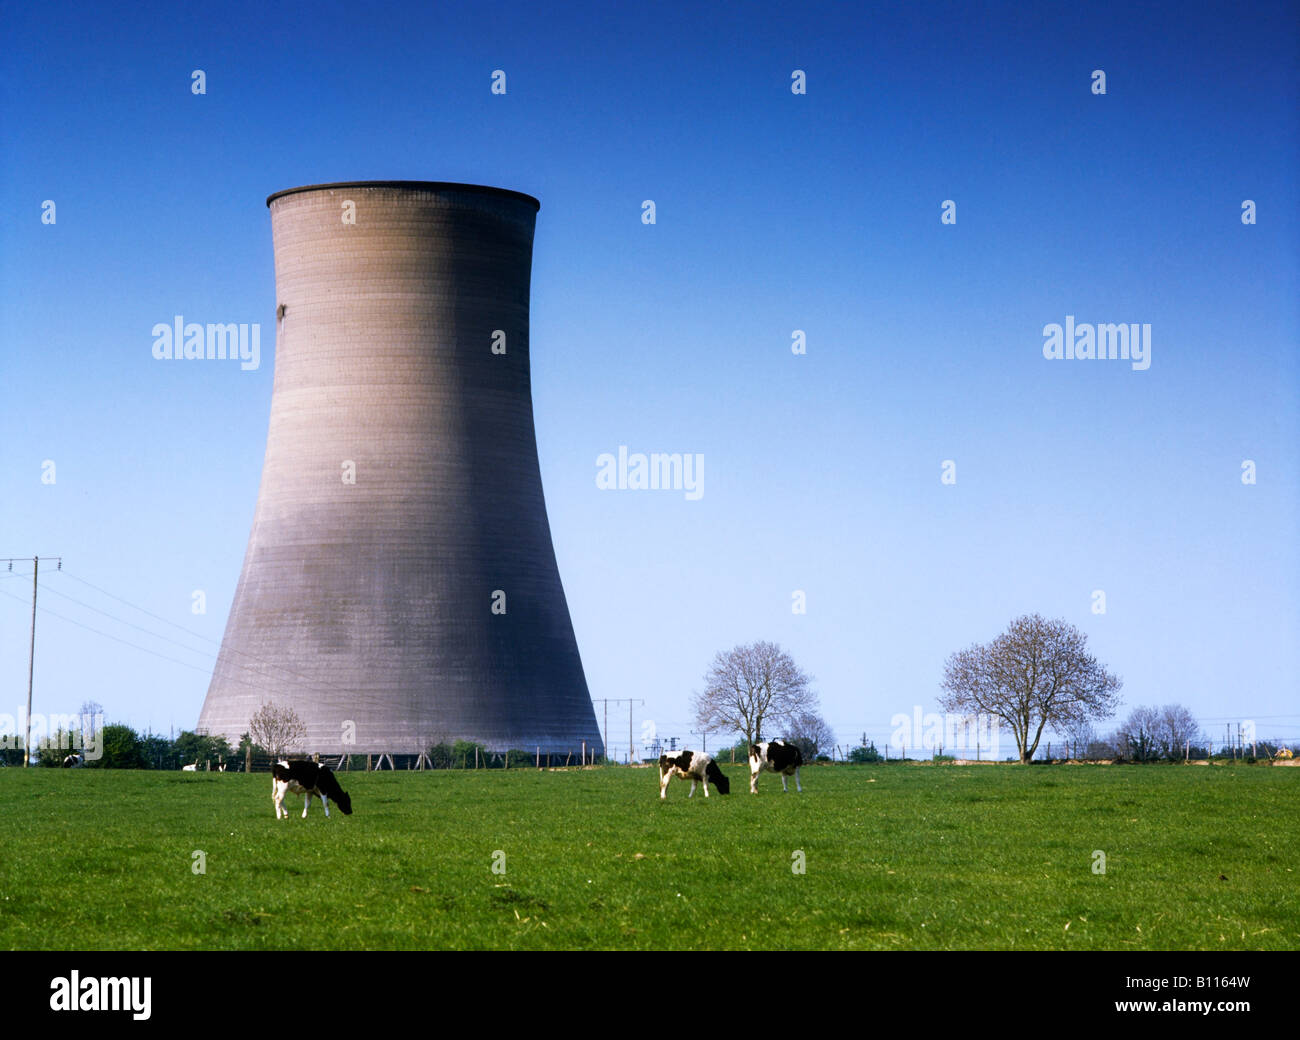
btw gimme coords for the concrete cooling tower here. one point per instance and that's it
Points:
(400, 587)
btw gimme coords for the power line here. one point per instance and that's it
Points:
(145, 649)
(133, 606)
(347, 698)
(607, 701)
(297, 677)
(138, 628)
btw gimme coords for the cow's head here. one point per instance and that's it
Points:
(344, 801)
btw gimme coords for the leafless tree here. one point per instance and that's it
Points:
(1152, 733)
(1036, 674)
(276, 730)
(811, 734)
(752, 685)
(1138, 739)
(92, 716)
(1178, 728)
(1080, 737)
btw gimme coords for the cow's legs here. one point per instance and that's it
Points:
(753, 782)
(692, 794)
(798, 786)
(277, 796)
(785, 783)
(663, 784)
(325, 802)
(306, 803)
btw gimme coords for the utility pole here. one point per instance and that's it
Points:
(607, 701)
(31, 653)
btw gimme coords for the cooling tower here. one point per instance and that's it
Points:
(400, 587)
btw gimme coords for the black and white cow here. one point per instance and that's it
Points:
(306, 779)
(74, 761)
(695, 766)
(774, 756)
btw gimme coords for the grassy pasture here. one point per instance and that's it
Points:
(980, 857)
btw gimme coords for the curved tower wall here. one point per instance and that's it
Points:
(401, 505)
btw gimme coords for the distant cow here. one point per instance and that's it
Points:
(774, 756)
(695, 766)
(73, 761)
(306, 779)
(193, 767)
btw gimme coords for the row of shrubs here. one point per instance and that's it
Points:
(121, 747)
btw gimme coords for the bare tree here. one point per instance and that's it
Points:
(1178, 728)
(92, 721)
(1036, 674)
(1138, 739)
(1080, 737)
(276, 730)
(811, 734)
(1153, 733)
(751, 685)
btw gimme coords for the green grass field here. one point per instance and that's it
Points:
(895, 857)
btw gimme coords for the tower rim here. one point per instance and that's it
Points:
(408, 186)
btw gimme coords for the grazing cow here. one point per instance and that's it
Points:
(695, 766)
(306, 779)
(73, 761)
(775, 756)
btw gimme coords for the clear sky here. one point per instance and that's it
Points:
(775, 212)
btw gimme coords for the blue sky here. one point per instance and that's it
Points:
(774, 212)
